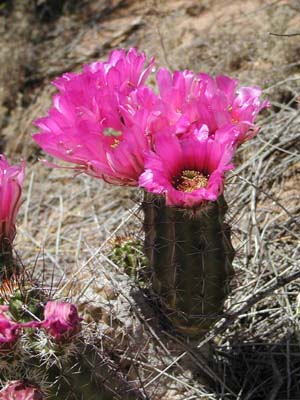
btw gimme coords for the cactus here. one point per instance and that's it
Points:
(127, 253)
(52, 352)
(191, 255)
(177, 143)
(23, 296)
(85, 376)
(7, 263)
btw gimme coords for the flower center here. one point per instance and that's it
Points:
(190, 180)
(115, 136)
(115, 144)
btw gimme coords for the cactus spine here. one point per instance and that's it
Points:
(191, 256)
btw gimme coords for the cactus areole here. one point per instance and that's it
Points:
(191, 255)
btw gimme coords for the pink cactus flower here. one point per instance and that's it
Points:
(187, 172)
(21, 390)
(190, 101)
(99, 119)
(243, 107)
(124, 71)
(11, 181)
(104, 120)
(180, 95)
(9, 331)
(61, 320)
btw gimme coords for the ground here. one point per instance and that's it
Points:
(66, 223)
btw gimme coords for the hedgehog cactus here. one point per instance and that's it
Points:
(186, 238)
(127, 253)
(53, 352)
(22, 295)
(191, 256)
(177, 145)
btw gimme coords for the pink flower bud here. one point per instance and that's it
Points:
(21, 390)
(11, 181)
(61, 320)
(9, 331)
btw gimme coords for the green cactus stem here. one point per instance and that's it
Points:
(23, 295)
(9, 265)
(6, 258)
(190, 254)
(88, 376)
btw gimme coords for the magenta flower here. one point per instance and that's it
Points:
(21, 390)
(11, 181)
(99, 119)
(9, 330)
(61, 320)
(104, 120)
(180, 95)
(243, 107)
(191, 101)
(187, 172)
(123, 71)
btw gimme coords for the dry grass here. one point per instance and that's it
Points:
(66, 225)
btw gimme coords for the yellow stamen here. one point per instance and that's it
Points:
(115, 144)
(190, 180)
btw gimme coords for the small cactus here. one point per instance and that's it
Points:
(53, 352)
(127, 253)
(23, 297)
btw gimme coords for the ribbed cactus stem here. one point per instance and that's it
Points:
(7, 263)
(191, 256)
(79, 385)
(106, 377)
(87, 376)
